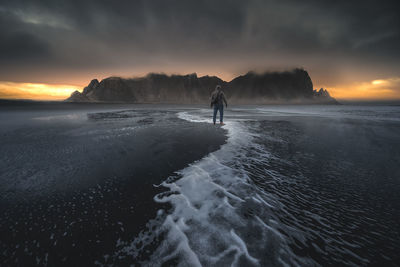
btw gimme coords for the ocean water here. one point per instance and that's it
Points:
(162, 186)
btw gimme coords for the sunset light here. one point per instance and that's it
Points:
(376, 89)
(378, 82)
(382, 89)
(36, 91)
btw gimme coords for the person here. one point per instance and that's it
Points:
(217, 100)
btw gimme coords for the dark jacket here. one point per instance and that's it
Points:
(218, 98)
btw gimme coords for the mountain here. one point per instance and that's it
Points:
(272, 87)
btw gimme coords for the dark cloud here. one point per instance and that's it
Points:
(233, 35)
(22, 47)
(18, 44)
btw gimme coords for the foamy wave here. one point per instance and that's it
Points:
(192, 117)
(219, 218)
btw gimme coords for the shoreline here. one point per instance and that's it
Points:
(104, 195)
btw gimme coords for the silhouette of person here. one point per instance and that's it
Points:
(217, 101)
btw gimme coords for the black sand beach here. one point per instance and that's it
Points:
(73, 186)
(104, 184)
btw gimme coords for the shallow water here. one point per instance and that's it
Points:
(293, 185)
(76, 181)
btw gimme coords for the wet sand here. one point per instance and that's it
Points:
(73, 187)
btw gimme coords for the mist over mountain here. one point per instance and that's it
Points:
(252, 88)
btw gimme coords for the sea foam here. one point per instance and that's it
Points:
(218, 217)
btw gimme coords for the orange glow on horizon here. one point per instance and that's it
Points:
(382, 89)
(36, 91)
(379, 89)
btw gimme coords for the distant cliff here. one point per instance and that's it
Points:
(272, 87)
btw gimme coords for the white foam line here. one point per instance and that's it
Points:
(175, 234)
(226, 202)
(263, 201)
(243, 247)
(214, 161)
(212, 183)
(217, 258)
(229, 194)
(211, 199)
(175, 197)
(269, 227)
(220, 187)
(217, 186)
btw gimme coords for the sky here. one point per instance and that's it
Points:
(50, 48)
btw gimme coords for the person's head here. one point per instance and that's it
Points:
(218, 87)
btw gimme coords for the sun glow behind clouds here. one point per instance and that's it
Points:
(36, 91)
(382, 89)
(377, 82)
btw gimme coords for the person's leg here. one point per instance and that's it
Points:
(221, 113)
(215, 113)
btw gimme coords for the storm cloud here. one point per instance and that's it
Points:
(85, 37)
